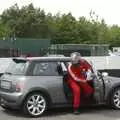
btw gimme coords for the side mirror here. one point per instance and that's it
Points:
(104, 74)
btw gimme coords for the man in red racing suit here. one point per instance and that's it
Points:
(77, 79)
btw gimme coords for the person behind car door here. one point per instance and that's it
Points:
(77, 78)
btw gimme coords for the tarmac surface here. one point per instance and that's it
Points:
(91, 113)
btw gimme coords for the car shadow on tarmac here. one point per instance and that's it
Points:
(97, 110)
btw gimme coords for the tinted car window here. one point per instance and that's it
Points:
(45, 69)
(17, 67)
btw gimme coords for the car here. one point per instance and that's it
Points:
(39, 83)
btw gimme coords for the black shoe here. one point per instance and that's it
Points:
(76, 112)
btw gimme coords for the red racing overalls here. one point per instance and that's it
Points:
(77, 74)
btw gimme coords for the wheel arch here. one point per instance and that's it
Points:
(43, 92)
(116, 86)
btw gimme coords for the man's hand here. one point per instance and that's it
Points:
(79, 80)
(83, 81)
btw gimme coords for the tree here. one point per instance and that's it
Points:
(65, 29)
(31, 22)
(26, 22)
(114, 35)
(4, 31)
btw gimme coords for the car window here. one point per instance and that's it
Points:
(17, 67)
(4, 63)
(45, 69)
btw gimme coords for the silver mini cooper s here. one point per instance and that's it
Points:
(36, 84)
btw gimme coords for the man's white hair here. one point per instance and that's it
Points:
(75, 57)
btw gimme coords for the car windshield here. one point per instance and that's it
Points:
(17, 67)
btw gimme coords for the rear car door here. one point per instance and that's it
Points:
(46, 76)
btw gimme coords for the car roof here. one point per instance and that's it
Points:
(55, 55)
(67, 59)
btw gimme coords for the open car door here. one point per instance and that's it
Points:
(99, 87)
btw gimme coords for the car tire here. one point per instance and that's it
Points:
(35, 105)
(115, 99)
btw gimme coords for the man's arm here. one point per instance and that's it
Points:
(73, 75)
(89, 70)
(64, 69)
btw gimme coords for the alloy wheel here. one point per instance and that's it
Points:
(36, 105)
(116, 98)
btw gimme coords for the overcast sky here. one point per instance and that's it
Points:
(107, 9)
